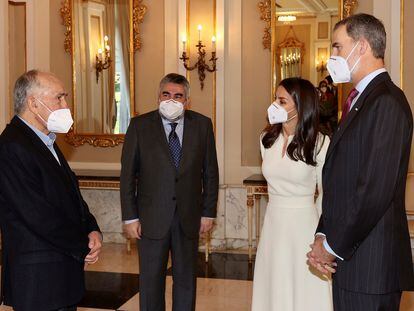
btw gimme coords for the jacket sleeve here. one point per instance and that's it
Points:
(210, 175)
(129, 169)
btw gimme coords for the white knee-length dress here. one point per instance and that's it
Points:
(283, 281)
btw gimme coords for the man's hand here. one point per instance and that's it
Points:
(95, 244)
(133, 230)
(320, 258)
(206, 225)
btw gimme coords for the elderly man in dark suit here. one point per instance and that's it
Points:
(169, 189)
(48, 232)
(363, 227)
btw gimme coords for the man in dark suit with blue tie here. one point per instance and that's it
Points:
(363, 231)
(169, 190)
(48, 233)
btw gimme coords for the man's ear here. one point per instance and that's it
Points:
(32, 104)
(187, 104)
(363, 47)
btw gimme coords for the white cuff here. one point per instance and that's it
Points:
(127, 222)
(326, 245)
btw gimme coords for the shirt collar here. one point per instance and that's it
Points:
(367, 79)
(180, 121)
(48, 140)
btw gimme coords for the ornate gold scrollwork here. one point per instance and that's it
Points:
(138, 13)
(66, 14)
(349, 6)
(266, 16)
(94, 140)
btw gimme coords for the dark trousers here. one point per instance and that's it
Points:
(73, 308)
(351, 301)
(153, 259)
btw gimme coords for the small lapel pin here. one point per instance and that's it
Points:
(356, 108)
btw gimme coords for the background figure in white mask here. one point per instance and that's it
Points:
(293, 154)
(169, 189)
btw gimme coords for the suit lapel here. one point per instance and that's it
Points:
(356, 109)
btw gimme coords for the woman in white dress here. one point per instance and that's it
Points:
(293, 154)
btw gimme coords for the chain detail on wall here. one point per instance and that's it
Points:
(266, 16)
(138, 12)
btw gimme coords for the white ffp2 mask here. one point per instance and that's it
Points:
(278, 114)
(171, 109)
(59, 120)
(338, 67)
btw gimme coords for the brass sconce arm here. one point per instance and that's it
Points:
(201, 64)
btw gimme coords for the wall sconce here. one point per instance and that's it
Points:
(201, 64)
(103, 59)
(321, 66)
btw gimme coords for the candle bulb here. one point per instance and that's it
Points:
(199, 32)
(213, 40)
(184, 42)
(106, 38)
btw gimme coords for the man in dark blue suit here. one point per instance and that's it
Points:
(363, 231)
(48, 233)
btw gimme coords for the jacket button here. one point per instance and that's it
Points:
(176, 180)
(174, 198)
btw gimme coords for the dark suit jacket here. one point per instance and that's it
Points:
(44, 221)
(364, 180)
(151, 187)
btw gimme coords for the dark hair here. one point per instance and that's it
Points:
(368, 27)
(302, 146)
(176, 79)
(329, 79)
(322, 82)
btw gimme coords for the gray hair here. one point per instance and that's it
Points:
(176, 79)
(22, 88)
(368, 27)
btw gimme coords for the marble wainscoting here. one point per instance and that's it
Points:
(230, 231)
(105, 205)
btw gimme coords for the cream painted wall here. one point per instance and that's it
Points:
(17, 46)
(149, 62)
(256, 86)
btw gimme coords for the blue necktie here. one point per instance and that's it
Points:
(174, 144)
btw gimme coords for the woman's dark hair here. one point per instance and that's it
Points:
(302, 146)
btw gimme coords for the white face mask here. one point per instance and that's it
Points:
(59, 121)
(171, 109)
(278, 114)
(338, 67)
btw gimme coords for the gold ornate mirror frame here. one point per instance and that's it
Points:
(137, 13)
(267, 10)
